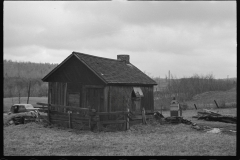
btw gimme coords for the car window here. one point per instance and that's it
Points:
(21, 107)
(29, 106)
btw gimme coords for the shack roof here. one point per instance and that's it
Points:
(110, 71)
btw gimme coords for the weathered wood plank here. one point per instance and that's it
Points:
(78, 116)
(60, 120)
(49, 119)
(105, 99)
(65, 95)
(60, 123)
(64, 118)
(80, 119)
(80, 126)
(94, 86)
(42, 104)
(112, 122)
(57, 113)
(137, 117)
(69, 119)
(70, 107)
(112, 113)
(131, 123)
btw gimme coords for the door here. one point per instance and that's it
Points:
(94, 98)
(136, 105)
(136, 100)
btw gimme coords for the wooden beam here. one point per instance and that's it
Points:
(109, 100)
(113, 122)
(49, 119)
(70, 107)
(112, 113)
(195, 106)
(65, 95)
(216, 104)
(43, 104)
(49, 92)
(105, 103)
(127, 120)
(69, 119)
(94, 86)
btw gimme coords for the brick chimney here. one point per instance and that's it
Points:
(124, 58)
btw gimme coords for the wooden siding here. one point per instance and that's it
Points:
(94, 99)
(103, 99)
(120, 98)
(147, 101)
(57, 93)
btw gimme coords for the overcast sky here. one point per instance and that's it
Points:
(184, 37)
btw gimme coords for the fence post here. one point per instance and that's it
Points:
(125, 124)
(143, 116)
(69, 119)
(127, 119)
(216, 104)
(195, 106)
(90, 117)
(49, 113)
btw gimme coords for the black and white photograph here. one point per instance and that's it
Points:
(119, 78)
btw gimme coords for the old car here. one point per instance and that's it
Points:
(18, 108)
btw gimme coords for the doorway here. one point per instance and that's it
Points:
(136, 96)
(94, 99)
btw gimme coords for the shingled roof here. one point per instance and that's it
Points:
(113, 71)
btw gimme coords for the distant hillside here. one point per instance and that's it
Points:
(222, 98)
(163, 82)
(26, 69)
(18, 75)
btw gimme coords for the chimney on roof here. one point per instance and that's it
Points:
(124, 57)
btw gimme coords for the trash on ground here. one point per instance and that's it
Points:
(214, 130)
(213, 116)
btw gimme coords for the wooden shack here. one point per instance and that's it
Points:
(108, 87)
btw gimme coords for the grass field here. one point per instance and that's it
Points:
(8, 102)
(225, 99)
(34, 139)
(37, 139)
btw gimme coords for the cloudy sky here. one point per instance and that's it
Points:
(184, 37)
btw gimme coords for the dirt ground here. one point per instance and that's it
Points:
(153, 139)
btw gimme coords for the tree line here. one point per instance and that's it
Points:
(186, 88)
(18, 76)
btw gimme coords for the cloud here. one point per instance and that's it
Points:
(166, 30)
(145, 13)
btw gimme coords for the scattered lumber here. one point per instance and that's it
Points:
(173, 119)
(158, 115)
(213, 116)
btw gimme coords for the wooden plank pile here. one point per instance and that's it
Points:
(213, 116)
(173, 119)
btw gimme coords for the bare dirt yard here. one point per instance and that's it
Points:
(153, 139)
